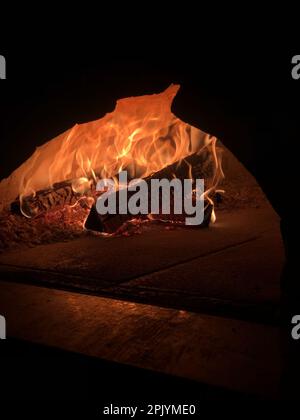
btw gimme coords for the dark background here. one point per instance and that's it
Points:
(238, 87)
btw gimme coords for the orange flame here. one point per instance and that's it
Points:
(141, 135)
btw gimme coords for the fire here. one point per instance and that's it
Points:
(141, 136)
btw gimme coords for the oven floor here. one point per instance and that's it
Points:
(219, 352)
(233, 268)
(210, 297)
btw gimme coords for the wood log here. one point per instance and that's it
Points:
(195, 166)
(62, 194)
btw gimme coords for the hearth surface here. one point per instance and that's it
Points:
(233, 267)
(216, 351)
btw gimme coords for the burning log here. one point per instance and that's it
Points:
(195, 166)
(68, 193)
(60, 195)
